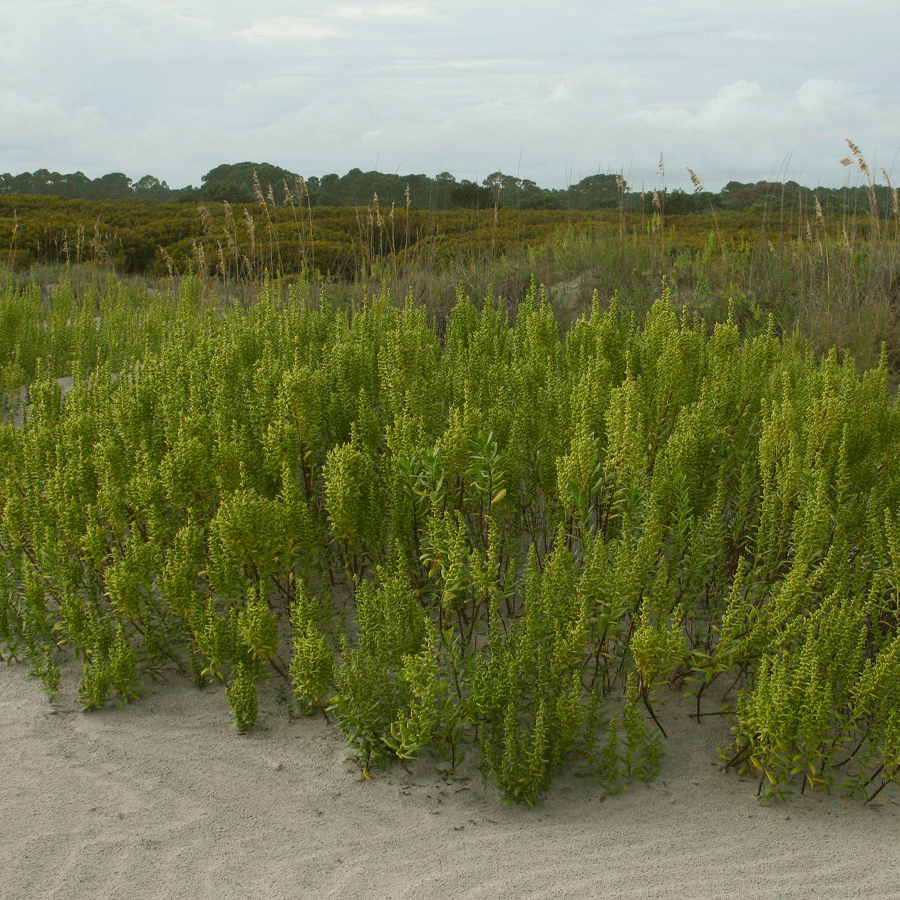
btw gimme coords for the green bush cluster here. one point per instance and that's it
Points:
(480, 535)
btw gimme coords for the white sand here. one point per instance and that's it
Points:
(164, 799)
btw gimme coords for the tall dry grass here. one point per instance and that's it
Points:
(834, 278)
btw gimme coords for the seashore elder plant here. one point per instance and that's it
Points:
(479, 534)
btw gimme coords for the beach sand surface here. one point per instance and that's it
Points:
(165, 799)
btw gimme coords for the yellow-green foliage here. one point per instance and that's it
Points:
(487, 531)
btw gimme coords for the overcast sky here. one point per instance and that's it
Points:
(550, 91)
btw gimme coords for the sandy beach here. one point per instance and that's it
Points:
(164, 799)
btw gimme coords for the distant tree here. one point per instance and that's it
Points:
(596, 192)
(76, 186)
(422, 191)
(242, 176)
(217, 191)
(681, 203)
(469, 195)
(443, 185)
(115, 186)
(541, 198)
(329, 191)
(357, 187)
(731, 195)
(235, 182)
(151, 188)
(506, 190)
(519, 193)
(188, 194)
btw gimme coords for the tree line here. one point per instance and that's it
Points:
(248, 182)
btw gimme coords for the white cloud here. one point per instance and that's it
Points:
(429, 66)
(821, 98)
(667, 115)
(384, 10)
(434, 85)
(286, 29)
(768, 37)
(731, 106)
(489, 63)
(30, 126)
(739, 108)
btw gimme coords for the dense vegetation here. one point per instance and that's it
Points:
(501, 524)
(242, 183)
(275, 223)
(239, 243)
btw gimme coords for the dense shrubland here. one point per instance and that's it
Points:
(251, 219)
(241, 182)
(241, 241)
(462, 527)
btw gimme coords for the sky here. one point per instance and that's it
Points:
(548, 91)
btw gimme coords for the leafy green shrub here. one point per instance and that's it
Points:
(480, 532)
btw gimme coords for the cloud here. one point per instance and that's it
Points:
(821, 98)
(768, 37)
(30, 127)
(736, 108)
(444, 86)
(731, 107)
(290, 28)
(428, 67)
(667, 115)
(384, 10)
(510, 62)
(745, 111)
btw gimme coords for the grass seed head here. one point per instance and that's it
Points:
(257, 190)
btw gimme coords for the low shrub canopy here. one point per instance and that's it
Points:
(482, 533)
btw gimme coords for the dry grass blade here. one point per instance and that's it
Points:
(895, 200)
(205, 218)
(170, 263)
(251, 229)
(860, 160)
(257, 190)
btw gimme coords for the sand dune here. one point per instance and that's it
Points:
(165, 799)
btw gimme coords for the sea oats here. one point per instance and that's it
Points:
(860, 160)
(205, 218)
(170, 263)
(257, 190)
(251, 230)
